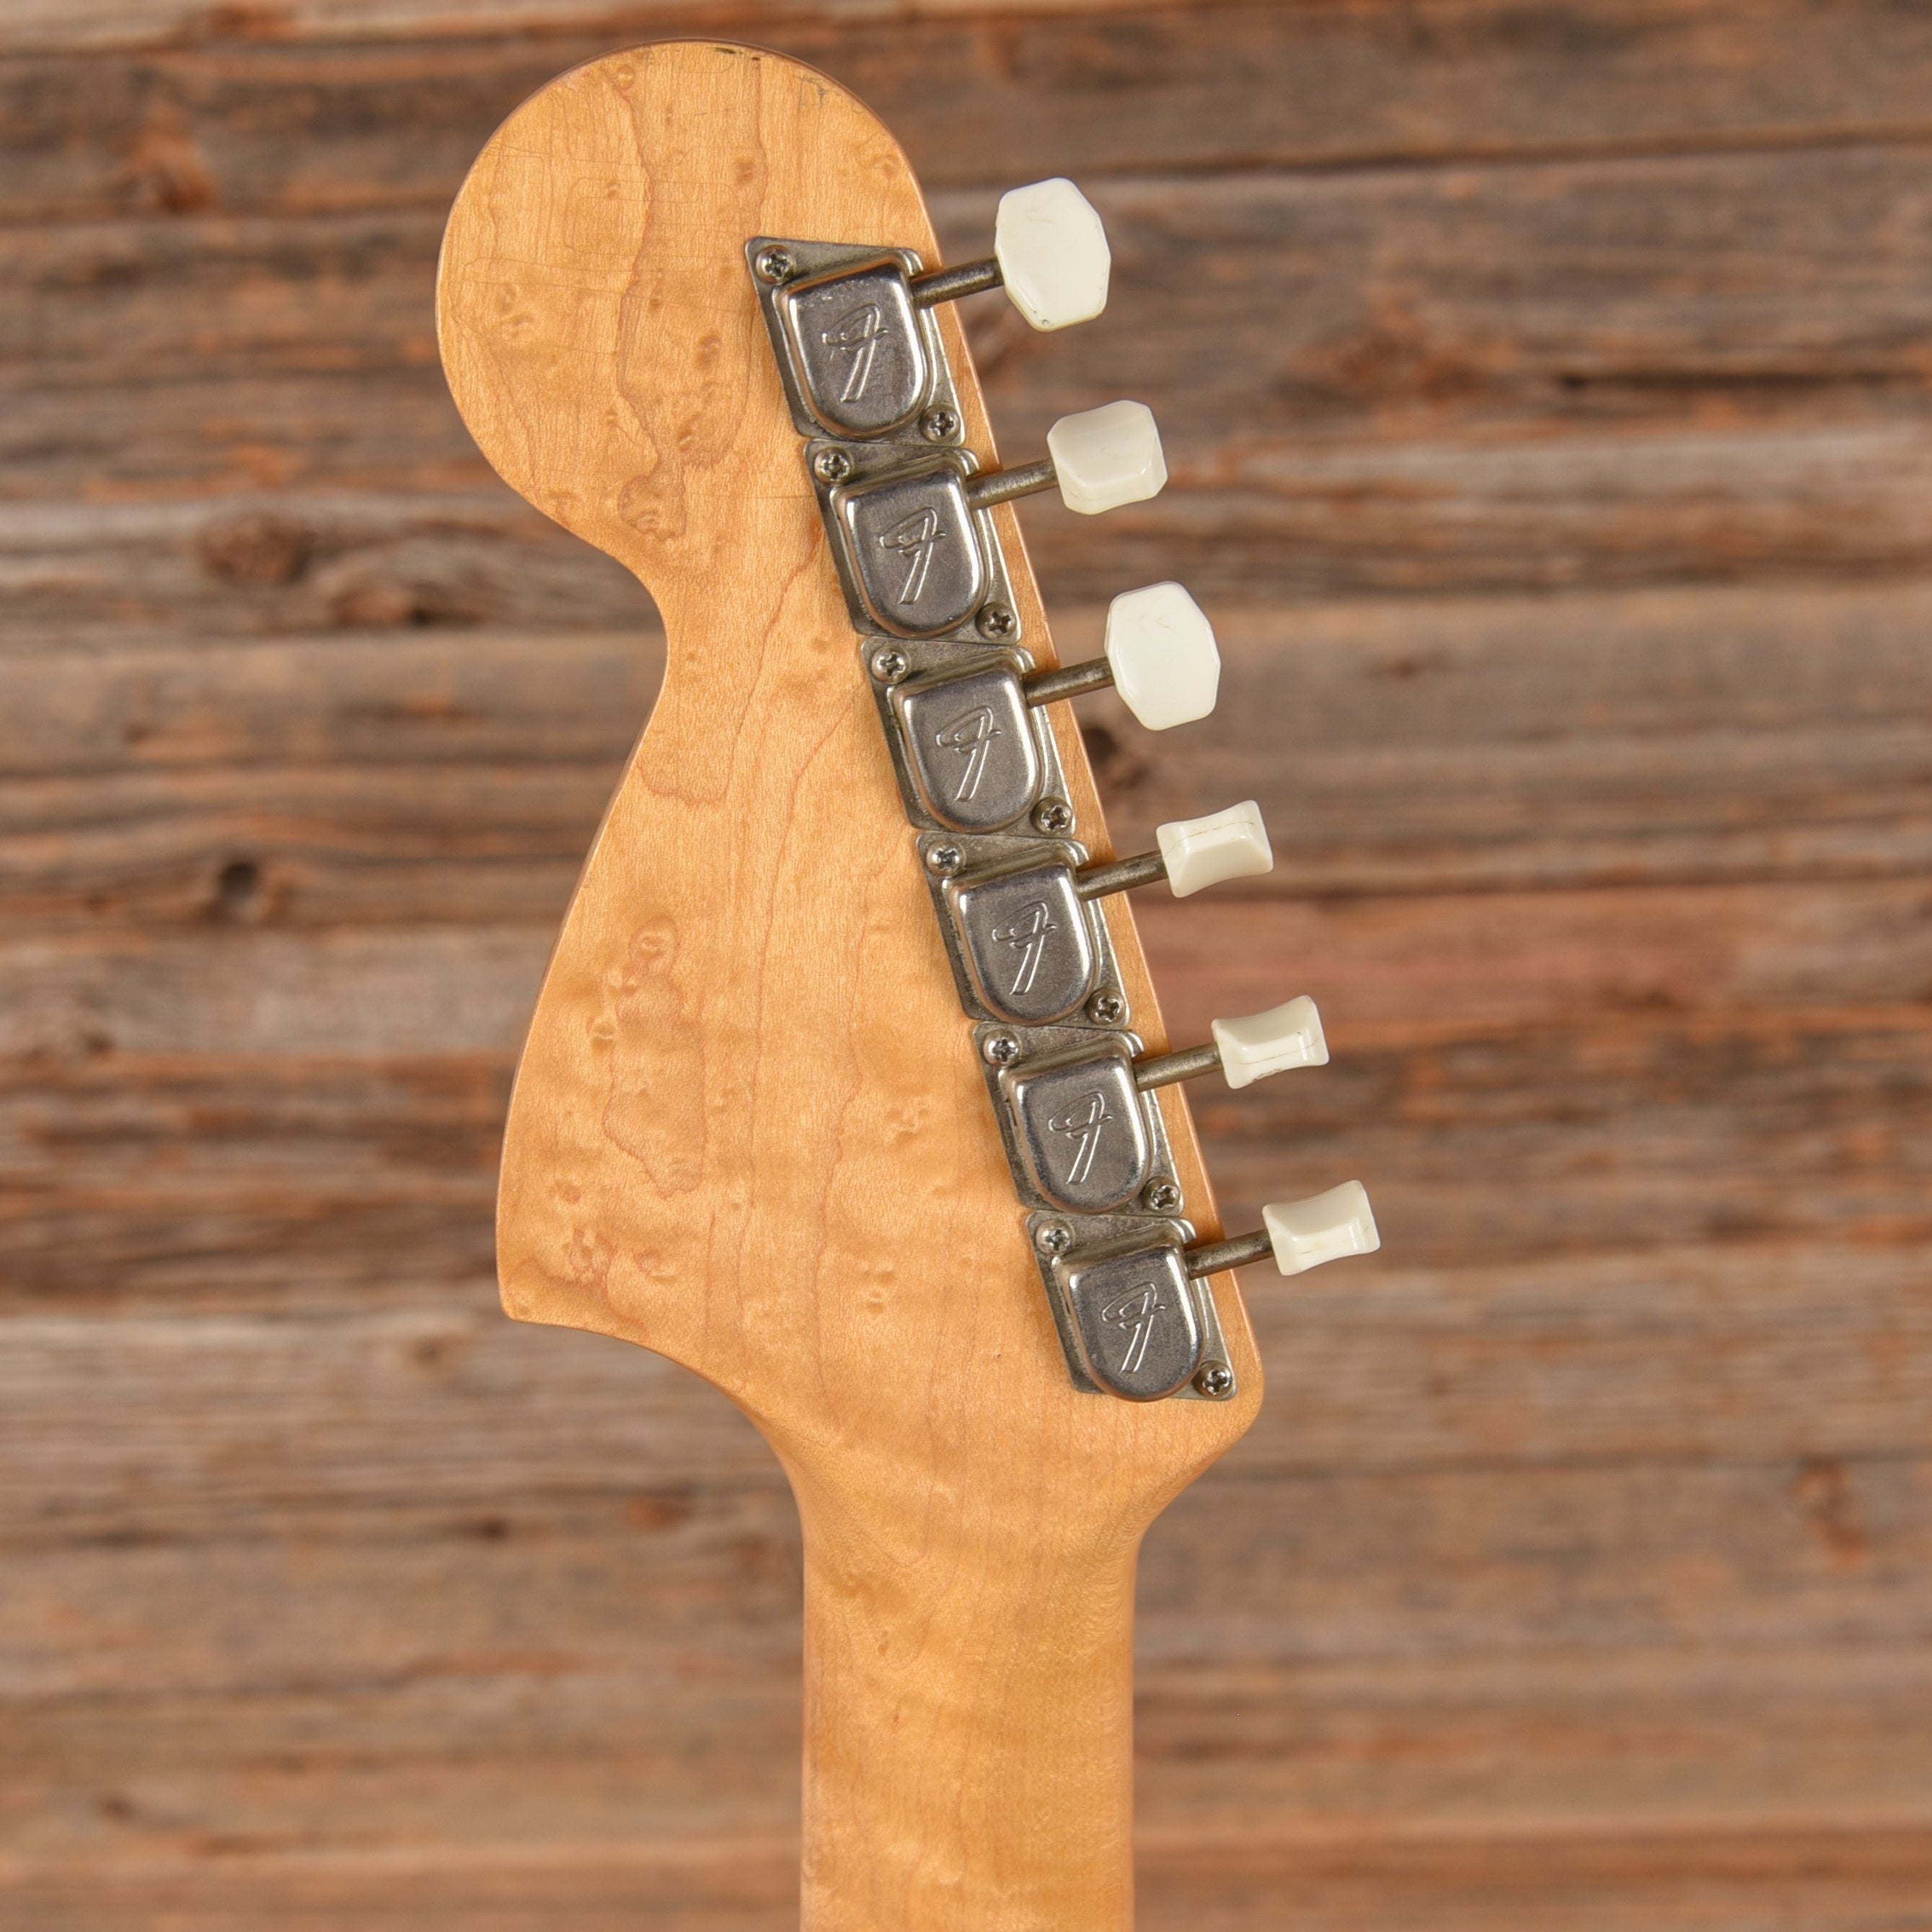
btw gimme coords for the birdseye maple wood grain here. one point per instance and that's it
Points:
(748, 1131)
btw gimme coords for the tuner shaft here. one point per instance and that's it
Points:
(1212, 1257)
(1002, 486)
(1166, 1068)
(946, 285)
(1049, 687)
(1122, 875)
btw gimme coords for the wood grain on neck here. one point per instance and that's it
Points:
(748, 1130)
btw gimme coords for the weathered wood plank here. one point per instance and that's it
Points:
(1592, 1127)
(377, 995)
(173, 1426)
(1393, 971)
(1691, 1354)
(610, 1763)
(1692, 1876)
(1389, 971)
(344, 1422)
(1745, 733)
(360, 560)
(98, 23)
(716, 1883)
(1836, 1877)
(1378, 414)
(1777, 1737)
(1581, 1140)
(1440, 510)
(256, 1181)
(1387, 293)
(1259, 1575)
(263, 126)
(450, 774)
(100, 705)
(198, 1107)
(326, 845)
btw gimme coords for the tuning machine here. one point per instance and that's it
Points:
(971, 752)
(1130, 1298)
(1082, 1130)
(917, 552)
(854, 329)
(1024, 946)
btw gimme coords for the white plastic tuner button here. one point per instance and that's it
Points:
(1270, 1042)
(1104, 457)
(1160, 648)
(1323, 1228)
(1053, 253)
(1202, 852)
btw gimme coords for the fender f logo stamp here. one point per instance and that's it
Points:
(912, 539)
(1026, 934)
(971, 735)
(856, 338)
(1082, 1123)
(1132, 1311)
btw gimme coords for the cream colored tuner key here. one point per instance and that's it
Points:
(1159, 654)
(1197, 852)
(1098, 460)
(1300, 1234)
(1050, 254)
(1194, 853)
(1245, 1050)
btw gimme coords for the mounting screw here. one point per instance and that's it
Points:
(1162, 1197)
(939, 425)
(1055, 1238)
(1215, 1379)
(775, 265)
(832, 466)
(1001, 1048)
(1053, 814)
(997, 621)
(945, 860)
(889, 665)
(1106, 1008)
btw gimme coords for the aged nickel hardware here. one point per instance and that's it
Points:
(1130, 1297)
(1081, 1135)
(916, 547)
(973, 748)
(1075, 1105)
(861, 356)
(971, 757)
(908, 511)
(1026, 948)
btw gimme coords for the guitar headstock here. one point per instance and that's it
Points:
(847, 1087)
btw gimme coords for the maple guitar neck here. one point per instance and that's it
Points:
(752, 1127)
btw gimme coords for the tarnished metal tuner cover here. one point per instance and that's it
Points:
(1138, 1323)
(971, 744)
(858, 344)
(1080, 1127)
(912, 543)
(1026, 941)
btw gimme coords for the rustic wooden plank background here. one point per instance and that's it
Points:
(1548, 387)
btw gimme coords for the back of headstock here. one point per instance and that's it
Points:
(774, 1118)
